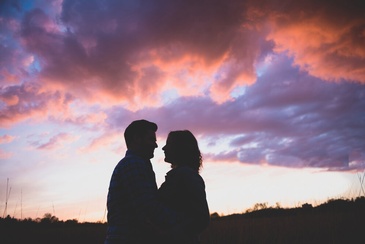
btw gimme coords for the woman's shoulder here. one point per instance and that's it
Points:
(186, 173)
(185, 170)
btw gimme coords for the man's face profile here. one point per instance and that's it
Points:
(148, 144)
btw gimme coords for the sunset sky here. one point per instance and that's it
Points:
(274, 91)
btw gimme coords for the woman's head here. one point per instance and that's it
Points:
(182, 149)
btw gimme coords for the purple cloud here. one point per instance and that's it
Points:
(54, 142)
(29, 100)
(286, 118)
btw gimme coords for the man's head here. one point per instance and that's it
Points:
(140, 137)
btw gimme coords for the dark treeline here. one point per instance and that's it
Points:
(258, 210)
(46, 220)
(335, 221)
(50, 229)
(332, 205)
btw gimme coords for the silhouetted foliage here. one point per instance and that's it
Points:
(307, 206)
(50, 229)
(49, 219)
(214, 215)
(335, 221)
(72, 222)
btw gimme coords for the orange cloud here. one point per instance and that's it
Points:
(235, 75)
(10, 100)
(322, 50)
(326, 45)
(188, 75)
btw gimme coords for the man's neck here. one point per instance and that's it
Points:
(139, 154)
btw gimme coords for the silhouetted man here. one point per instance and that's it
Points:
(134, 214)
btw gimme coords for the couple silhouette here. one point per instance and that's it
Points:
(138, 211)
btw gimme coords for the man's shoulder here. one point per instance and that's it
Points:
(132, 163)
(130, 159)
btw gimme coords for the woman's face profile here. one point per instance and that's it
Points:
(169, 151)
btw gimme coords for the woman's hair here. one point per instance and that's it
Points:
(186, 149)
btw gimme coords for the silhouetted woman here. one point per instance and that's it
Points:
(184, 189)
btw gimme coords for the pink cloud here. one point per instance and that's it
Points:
(10, 100)
(321, 43)
(96, 119)
(10, 78)
(232, 76)
(55, 142)
(29, 101)
(107, 139)
(6, 139)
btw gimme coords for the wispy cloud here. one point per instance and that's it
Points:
(6, 139)
(55, 142)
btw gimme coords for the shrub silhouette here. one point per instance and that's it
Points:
(49, 219)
